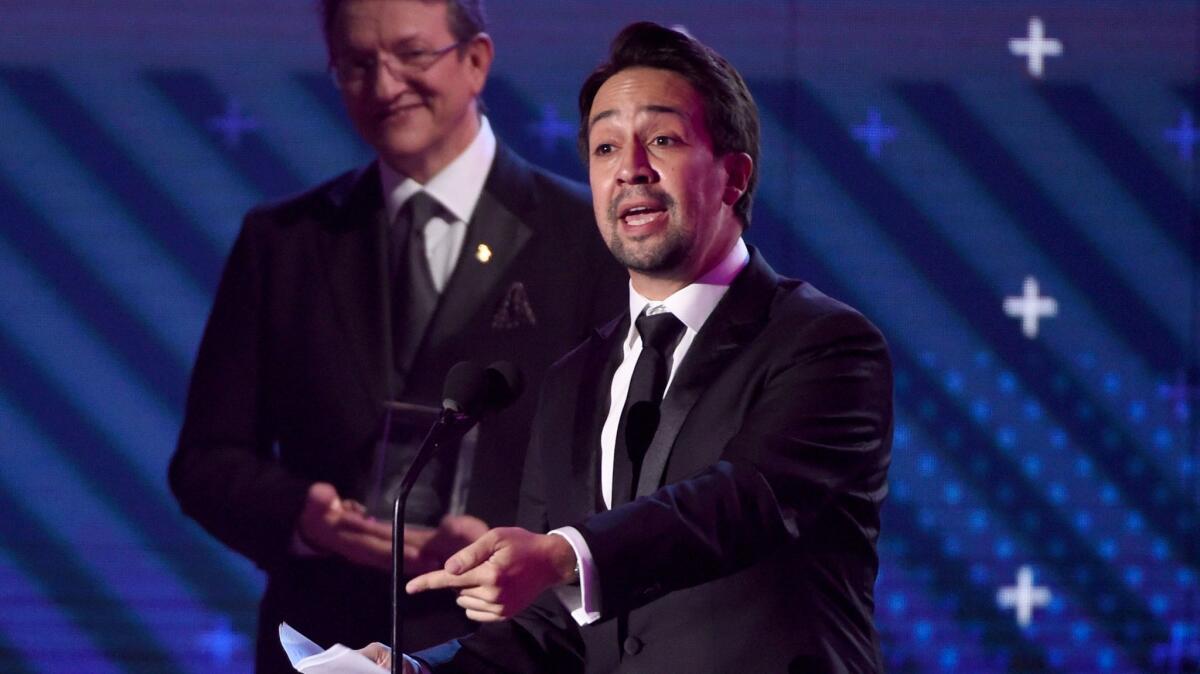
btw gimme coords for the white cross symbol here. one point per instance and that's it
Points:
(231, 124)
(1030, 307)
(1024, 596)
(550, 128)
(874, 133)
(1183, 135)
(1036, 47)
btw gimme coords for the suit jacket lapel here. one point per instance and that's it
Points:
(736, 320)
(352, 248)
(497, 223)
(587, 404)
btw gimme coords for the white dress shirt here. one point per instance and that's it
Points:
(692, 305)
(457, 188)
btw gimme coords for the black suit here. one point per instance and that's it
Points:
(758, 554)
(296, 361)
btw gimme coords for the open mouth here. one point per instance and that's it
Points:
(641, 215)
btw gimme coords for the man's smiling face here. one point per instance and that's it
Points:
(417, 119)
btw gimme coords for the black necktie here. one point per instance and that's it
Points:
(414, 297)
(639, 417)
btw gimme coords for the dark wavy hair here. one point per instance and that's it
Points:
(729, 110)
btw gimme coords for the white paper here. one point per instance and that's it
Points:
(309, 658)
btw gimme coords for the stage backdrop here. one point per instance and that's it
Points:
(1008, 189)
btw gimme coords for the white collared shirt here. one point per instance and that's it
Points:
(692, 305)
(457, 187)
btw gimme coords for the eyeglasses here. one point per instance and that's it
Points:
(353, 71)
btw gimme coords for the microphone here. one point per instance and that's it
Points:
(465, 386)
(476, 392)
(504, 384)
(469, 393)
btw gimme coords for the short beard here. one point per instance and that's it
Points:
(666, 255)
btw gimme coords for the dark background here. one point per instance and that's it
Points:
(912, 166)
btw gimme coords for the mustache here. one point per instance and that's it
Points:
(664, 200)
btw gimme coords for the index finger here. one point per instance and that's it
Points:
(434, 580)
(440, 579)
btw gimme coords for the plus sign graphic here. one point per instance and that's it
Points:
(1184, 136)
(1030, 307)
(1024, 596)
(232, 123)
(549, 129)
(1035, 47)
(874, 133)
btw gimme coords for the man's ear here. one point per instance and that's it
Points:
(738, 169)
(478, 56)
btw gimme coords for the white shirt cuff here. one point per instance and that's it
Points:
(583, 601)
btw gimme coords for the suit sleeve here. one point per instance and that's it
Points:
(809, 462)
(223, 472)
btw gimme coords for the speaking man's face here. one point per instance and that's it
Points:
(658, 192)
(409, 93)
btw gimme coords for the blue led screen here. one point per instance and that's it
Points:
(1008, 189)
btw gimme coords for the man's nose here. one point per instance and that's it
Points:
(388, 79)
(636, 168)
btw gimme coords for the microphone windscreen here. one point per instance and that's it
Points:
(505, 384)
(465, 388)
(641, 423)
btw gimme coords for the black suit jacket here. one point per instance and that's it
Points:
(752, 548)
(295, 364)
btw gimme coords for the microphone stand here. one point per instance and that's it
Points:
(449, 427)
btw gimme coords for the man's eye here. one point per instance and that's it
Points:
(603, 148)
(410, 56)
(662, 141)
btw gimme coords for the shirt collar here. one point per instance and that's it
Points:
(694, 303)
(456, 187)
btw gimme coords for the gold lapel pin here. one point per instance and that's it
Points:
(483, 253)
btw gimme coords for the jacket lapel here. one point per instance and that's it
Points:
(736, 320)
(352, 251)
(498, 223)
(587, 404)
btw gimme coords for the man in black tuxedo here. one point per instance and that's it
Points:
(368, 288)
(730, 523)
